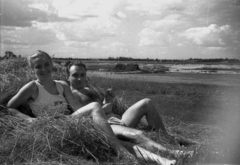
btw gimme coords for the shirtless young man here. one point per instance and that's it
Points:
(124, 127)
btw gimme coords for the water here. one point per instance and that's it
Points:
(204, 68)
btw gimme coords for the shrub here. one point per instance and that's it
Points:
(126, 67)
(155, 69)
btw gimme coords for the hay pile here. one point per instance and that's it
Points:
(55, 140)
(49, 139)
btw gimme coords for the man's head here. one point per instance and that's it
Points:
(77, 75)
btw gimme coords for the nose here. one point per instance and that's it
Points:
(43, 68)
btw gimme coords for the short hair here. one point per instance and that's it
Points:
(37, 54)
(79, 64)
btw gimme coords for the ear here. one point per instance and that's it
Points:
(31, 70)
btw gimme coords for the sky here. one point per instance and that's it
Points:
(155, 29)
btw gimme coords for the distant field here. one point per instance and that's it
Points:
(209, 110)
(213, 68)
(189, 78)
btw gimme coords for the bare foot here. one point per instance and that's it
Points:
(148, 157)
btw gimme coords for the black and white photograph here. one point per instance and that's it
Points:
(119, 82)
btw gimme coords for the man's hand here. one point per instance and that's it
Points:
(109, 96)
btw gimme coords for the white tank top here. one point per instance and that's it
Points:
(48, 104)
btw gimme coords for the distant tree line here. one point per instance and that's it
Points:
(9, 54)
(190, 60)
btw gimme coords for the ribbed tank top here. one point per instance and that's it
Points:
(48, 104)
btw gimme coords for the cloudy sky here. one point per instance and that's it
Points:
(163, 29)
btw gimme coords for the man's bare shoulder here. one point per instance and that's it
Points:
(63, 83)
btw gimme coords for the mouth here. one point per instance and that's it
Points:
(80, 84)
(44, 73)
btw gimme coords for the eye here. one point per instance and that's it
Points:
(37, 67)
(47, 64)
(75, 75)
(83, 74)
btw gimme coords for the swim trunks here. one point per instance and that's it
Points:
(115, 121)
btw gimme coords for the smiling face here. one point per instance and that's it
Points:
(42, 66)
(77, 77)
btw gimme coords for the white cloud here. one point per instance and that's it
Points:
(23, 13)
(150, 37)
(171, 24)
(121, 15)
(41, 6)
(27, 36)
(217, 48)
(161, 24)
(180, 45)
(93, 29)
(154, 7)
(116, 47)
(212, 36)
(44, 26)
(78, 44)
(61, 36)
(93, 20)
(82, 8)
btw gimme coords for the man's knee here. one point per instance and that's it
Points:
(140, 136)
(133, 134)
(147, 100)
(139, 133)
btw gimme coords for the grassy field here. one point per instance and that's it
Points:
(206, 113)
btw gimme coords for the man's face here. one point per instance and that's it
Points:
(77, 77)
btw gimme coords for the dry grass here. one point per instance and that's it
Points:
(49, 139)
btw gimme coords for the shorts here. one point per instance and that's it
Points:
(115, 121)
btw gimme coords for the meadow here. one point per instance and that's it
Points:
(206, 113)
